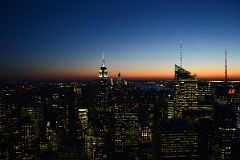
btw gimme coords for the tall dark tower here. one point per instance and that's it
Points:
(226, 131)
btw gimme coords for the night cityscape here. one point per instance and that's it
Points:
(120, 80)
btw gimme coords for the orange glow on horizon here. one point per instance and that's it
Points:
(155, 72)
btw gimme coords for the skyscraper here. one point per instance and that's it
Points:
(102, 99)
(126, 131)
(225, 123)
(104, 115)
(103, 73)
(176, 140)
(186, 90)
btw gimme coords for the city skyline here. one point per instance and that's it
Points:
(140, 39)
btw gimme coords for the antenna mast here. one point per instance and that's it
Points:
(180, 54)
(226, 79)
(103, 58)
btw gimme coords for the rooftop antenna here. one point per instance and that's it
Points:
(103, 58)
(180, 54)
(226, 79)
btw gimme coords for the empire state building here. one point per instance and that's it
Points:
(102, 97)
(104, 111)
(103, 73)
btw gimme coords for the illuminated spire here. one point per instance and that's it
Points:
(180, 53)
(103, 74)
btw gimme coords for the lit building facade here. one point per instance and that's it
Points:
(104, 114)
(102, 98)
(186, 91)
(206, 99)
(176, 139)
(126, 137)
(225, 119)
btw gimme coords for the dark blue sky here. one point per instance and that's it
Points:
(65, 39)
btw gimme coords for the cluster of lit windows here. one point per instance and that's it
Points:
(186, 90)
(179, 144)
(227, 129)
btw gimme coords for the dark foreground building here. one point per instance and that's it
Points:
(176, 139)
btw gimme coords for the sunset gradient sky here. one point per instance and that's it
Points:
(65, 39)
